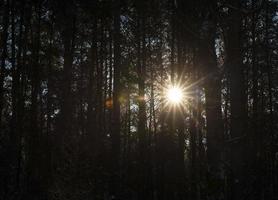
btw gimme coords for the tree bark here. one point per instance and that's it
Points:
(4, 38)
(214, 122)
(116, 116)
(34, 187)
(238, 101)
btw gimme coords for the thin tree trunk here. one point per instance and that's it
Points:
(49, 109)
(68, 34)
(4, 38)
(3, 43)
(17, 96)
(91, 118)
(116, 118)
(33, 182)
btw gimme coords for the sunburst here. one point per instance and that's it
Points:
(174, 95)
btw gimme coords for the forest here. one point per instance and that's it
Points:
(139, 99)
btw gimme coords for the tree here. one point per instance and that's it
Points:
(238, 100)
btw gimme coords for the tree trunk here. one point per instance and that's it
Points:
(238, 101)
(34, 188)
(4, 38)
(116, 116)
(214, 125)
(68, 39)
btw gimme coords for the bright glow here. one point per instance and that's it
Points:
(174, 95)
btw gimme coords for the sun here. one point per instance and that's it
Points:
(174, 95)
